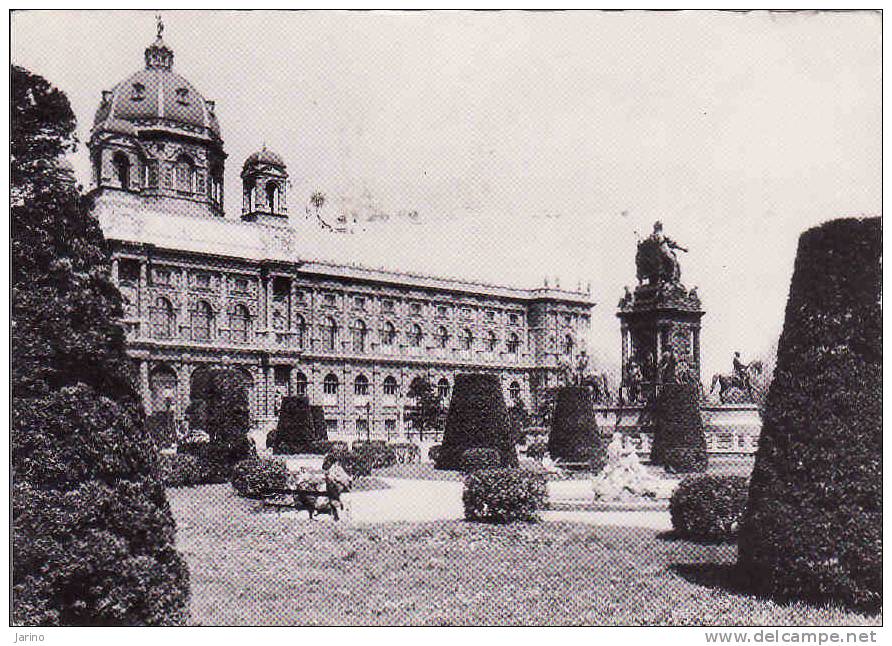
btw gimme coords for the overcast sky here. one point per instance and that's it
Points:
(532, 144)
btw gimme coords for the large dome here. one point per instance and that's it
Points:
(157, 98)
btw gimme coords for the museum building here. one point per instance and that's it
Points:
(202, 289)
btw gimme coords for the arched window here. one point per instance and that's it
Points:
(415, 336)
(300, 327)
(185, 174)
(272, 196)
(122, 169)
(240, 324)
(443, 388)
(329, 334)
(300, 385)
(390, 386)
(359, 333)
(361, 385)
(388, 334)
(163, 319)
(330, 385)
(202, 317)
(514, 391)
(467, 339)
(513, 343)
(442, 337)
(568, 345)
(491, 341)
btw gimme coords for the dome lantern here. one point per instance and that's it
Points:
(264, 183)
(159, 55)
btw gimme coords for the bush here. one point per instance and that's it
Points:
(433, 453)
(708, 507)
(255, 477)
(477, 418)
(679, 441)
(294, 431)
(504, 495)
(574, 435)
(813, 525)
(537, 450)
(185, 470)
(162, 429)
(374, 456)
(219, 457)
(357, 464)
(476, 459)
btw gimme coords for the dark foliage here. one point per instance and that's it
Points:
(220, 396)
(373, 456)
(161, 428)
(320, 431)
(294, 431)
(426, 414)
(708, 507)
(679, 440)
(813, 525)
(186, 470)
(477, 419)
(537, 450)
(518, 420)
(574, 434)
(92, 533)
(476, 459)
(220, 457)
(434, 452)
(504, 495)
(255, 477)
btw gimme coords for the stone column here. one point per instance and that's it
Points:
(144, 383)
(142, 299)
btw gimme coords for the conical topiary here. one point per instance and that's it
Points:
(813, 525)
(477, 418)
(574, 433)
(294, 431)
(679, 440)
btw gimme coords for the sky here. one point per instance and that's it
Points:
(531, 145)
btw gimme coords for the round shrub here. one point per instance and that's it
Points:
(477, 459)
(708, 507)
(294, 431)
(184, 470)
(504, 495)
(537, 450)
(477, 418)
(433, 453)
(679, 441)
(255, 477)
(813, 525)
(574, 435)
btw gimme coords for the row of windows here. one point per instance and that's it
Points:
(184, 176)
(389, 386)
(163, 322)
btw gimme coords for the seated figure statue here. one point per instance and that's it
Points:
(624, 478)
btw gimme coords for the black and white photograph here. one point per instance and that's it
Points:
(406, 318)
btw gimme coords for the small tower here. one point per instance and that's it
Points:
(264, 180)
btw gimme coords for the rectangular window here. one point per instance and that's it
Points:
(282, 374)
(387, 305)
(240, 285)
(442, 311)
(299, 296)
(490, 315)
(415, 309)
(466, 312)
(162, 277)
(203, 281)
(390, 427)
(513, 318)
(331, 426)
(128, 271)
(281, 289)
(359, 302)
(362, 427)
(330, 300)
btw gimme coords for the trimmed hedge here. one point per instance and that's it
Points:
(574, 435)
(186, 470)
(361, 461)
(477, 418)
(220, 457)
(708, 507)
(255, 477)
(161, 427)
(294, 431)
(476, 459)
(813, 525)
(504, 495)
(679, 440)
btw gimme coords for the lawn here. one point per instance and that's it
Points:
(252, 568)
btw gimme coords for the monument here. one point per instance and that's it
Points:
(660, 322)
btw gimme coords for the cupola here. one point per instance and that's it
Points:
(264, 188)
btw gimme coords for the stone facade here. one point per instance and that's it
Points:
(205, 290)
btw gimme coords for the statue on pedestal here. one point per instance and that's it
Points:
(656, 260)
(737, 386)
(624, 478)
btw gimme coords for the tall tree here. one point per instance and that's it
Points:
(427, 412)
(93, 536)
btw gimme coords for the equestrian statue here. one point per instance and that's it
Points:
(741, 378)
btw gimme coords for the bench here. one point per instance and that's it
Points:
(313, 500)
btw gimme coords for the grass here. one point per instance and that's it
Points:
(248, 568)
